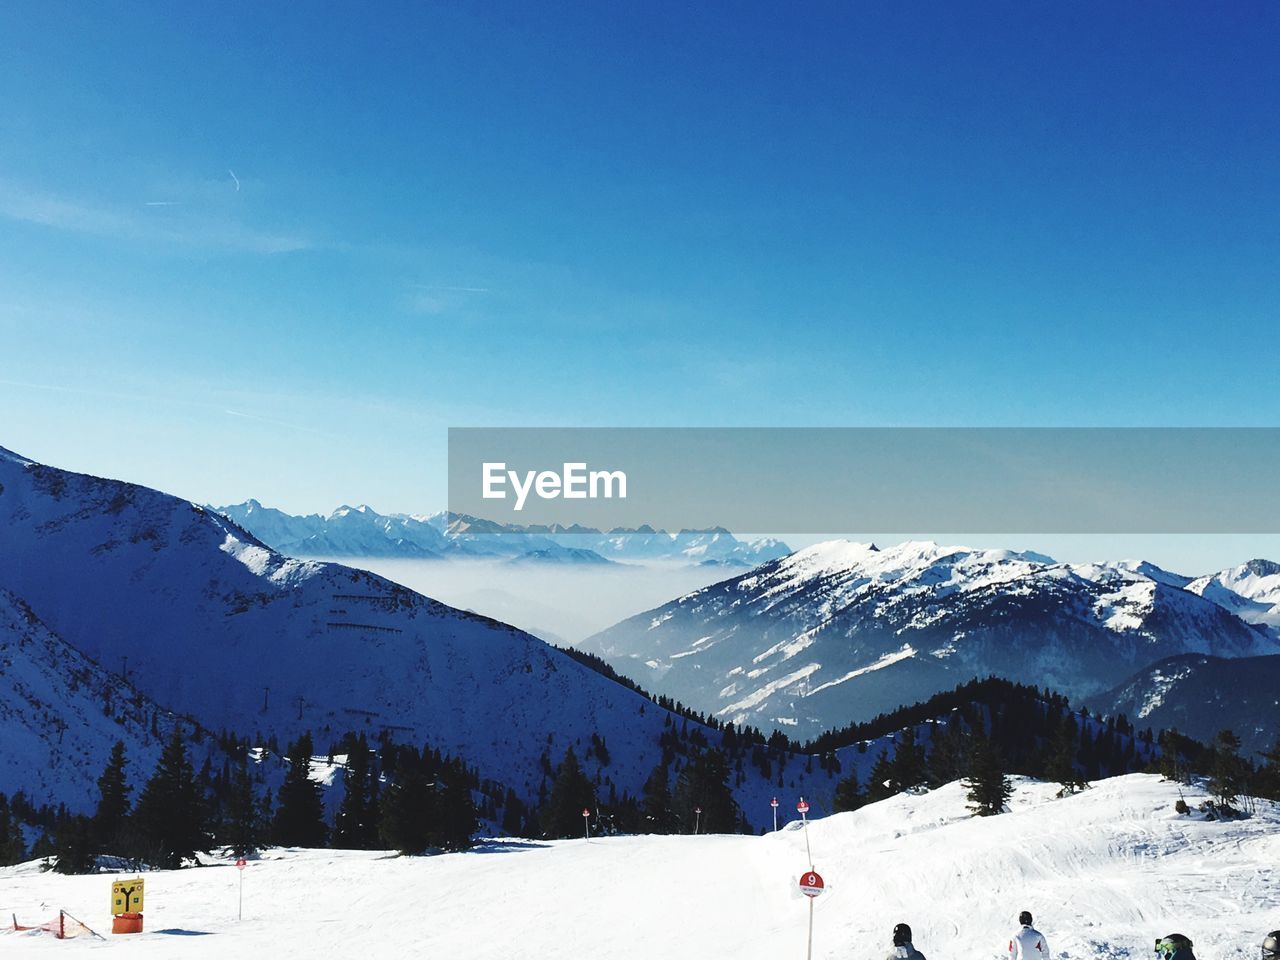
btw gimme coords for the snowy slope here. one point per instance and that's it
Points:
(1201, 695)
(842, 631)
(363, 532)
(218, 625)
(60, 714)
(1251, 591)
(1105, 873)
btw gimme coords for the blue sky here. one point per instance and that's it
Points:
(276, 250)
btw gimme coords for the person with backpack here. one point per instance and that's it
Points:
(1174, 947)
(902, 946)
(1271, 946)
(1028, 943)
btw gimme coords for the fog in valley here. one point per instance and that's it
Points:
(560, 603)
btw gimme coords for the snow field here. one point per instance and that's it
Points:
(1104, 872)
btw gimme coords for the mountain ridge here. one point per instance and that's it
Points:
(363, 532)
(841, 631)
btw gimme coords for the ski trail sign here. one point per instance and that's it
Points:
(126, 896)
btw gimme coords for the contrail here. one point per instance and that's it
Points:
(236, 179)
(163, 203)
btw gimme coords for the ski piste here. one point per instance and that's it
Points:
(1105, 872)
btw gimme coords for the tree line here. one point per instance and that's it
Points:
(396, 797)
(416, 799)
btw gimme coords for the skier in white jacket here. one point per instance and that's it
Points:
(1028, 943)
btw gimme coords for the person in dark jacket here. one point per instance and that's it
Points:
(1271, 946)
(1174, 947)
(902, 948)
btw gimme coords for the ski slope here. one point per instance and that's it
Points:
(1105, 872)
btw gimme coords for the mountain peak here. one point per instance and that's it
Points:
(1262, 568)
(9, 455)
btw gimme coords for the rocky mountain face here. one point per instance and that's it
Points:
(843, 631)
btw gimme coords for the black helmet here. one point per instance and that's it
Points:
(901, 934)
(1024, 918)
(1271, 945)
(1174, 943)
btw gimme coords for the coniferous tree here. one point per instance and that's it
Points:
(1268, 775)
(110, 819)
(1171, 767)
(243, 825)
(455, 823)
(299, 819)
(408, 805)
(43, 848)
(656, 812)
(1062, 760)
(571, 793)
(172, 818)
(907, 769)
(74, 846)
(849, 795)
(429, 805)
(704, 782)
(356, 825)
(946, 755)
(1227, 775)
(880, 781)
(12, 847)
(988, 787)
(513, 815)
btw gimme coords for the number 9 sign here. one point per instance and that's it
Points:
(812, 884)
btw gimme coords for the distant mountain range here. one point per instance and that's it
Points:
(842, 631)
(217, 625)
(363, 532)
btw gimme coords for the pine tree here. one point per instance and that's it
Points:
(571, 793)
(243, 825)
(1062, 760)
(1171, 767)
(704, 782)
(299, 820)
(849, 795)
(12, 847)
(513, 815)
(356, 825)
(880, 783)
(74, 846)
(408, 806)
(172, 815)
(656, 813)
(946, 755)
(455, 823)
(110, 820)
(907, 770)
(988, 787)
(1227, 773)
(1268, 775)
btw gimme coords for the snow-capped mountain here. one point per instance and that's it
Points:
(1251, 591)
(221, 627)
(1200, 695)
(843, 631)
(363, 532)
(60, 714)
